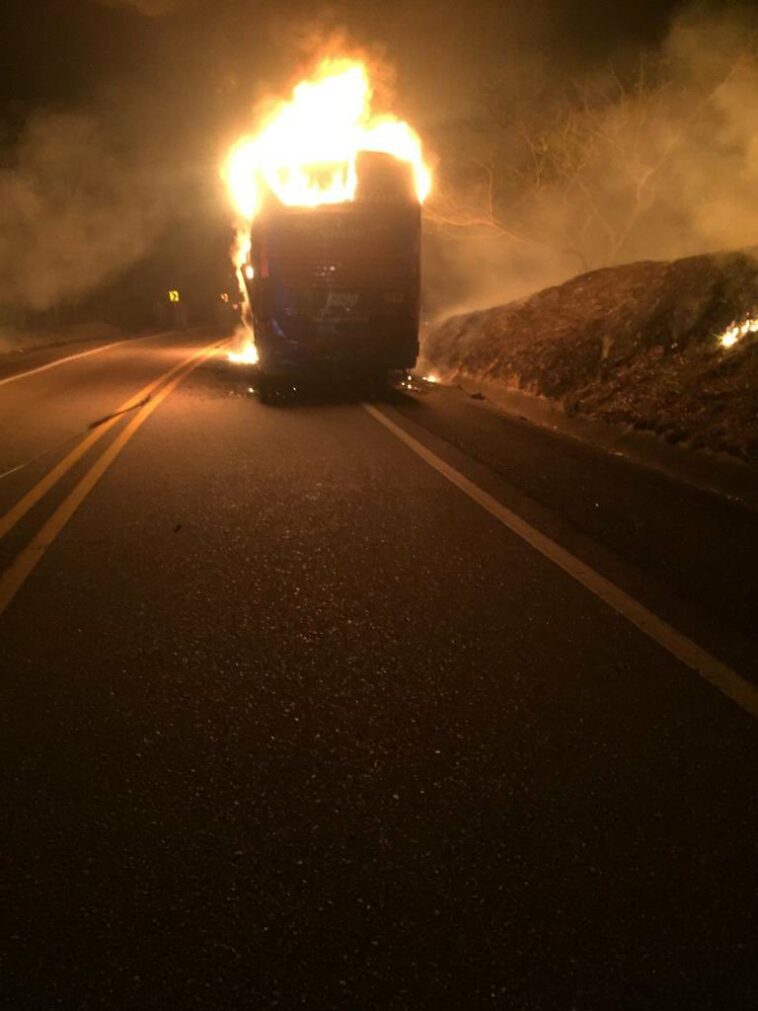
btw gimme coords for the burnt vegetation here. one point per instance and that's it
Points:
(635, 345)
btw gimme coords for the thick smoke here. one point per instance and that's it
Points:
(153, 8)
(547, 179)
(72, 212)
(546, 167)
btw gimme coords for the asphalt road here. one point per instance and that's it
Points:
(289, 719)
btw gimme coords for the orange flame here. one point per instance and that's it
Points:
(306, 151)
(737, 331)
(248, 352)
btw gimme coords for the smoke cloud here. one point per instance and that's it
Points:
(73, 211)
(548, 162)
(152, 8)
(545, 180)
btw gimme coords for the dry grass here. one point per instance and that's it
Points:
(636, 345)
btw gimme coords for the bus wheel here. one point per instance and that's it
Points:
(376, 382)
(267, 389)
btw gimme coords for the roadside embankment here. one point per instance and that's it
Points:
(646, 347)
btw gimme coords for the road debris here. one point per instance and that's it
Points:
(116, 414)
(73, 438)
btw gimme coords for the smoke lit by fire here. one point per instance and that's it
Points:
(306, 150)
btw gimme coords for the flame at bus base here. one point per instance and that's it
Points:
(248, 353)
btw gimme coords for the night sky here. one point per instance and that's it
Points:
(63, 51)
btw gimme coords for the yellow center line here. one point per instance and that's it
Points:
(14, 578)
(32, 497)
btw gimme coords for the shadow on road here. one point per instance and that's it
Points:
(309, 391)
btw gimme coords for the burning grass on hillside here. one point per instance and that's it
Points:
(669, 348)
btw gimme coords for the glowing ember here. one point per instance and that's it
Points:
(737, 331)
(306, 152)
(431, 378)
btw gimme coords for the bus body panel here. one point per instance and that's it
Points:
(336, 287)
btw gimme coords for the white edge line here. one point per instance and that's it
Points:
(678, 645)
(81, 354)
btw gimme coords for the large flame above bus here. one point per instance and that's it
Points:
(305, 152)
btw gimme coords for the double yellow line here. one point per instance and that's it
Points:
(21, 568)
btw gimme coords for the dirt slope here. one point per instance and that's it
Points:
(637, 345)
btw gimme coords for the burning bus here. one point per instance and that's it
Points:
(337, 286)
(328, 249)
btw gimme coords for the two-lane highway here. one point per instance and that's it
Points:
(325, 706)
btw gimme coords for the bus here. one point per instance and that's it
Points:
(335, 289)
